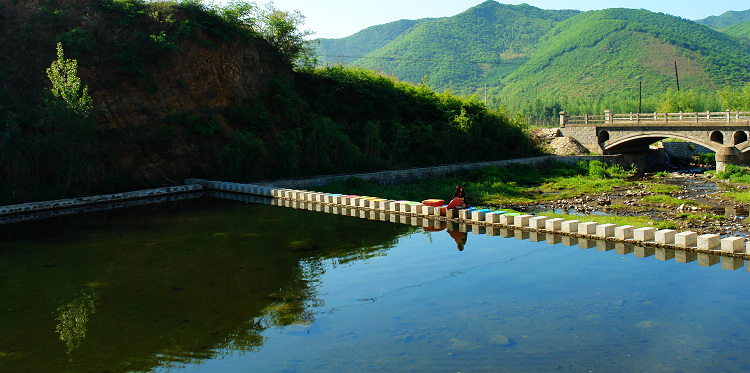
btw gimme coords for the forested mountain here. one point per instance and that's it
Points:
(727, 19)
(607, 53)
(363, 42)
(571, 60)
(740, 30)
(463, 52)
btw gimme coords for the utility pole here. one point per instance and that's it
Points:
(677, 77)
(640, 89)
(485, 95)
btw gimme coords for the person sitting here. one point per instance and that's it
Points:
(460, 193)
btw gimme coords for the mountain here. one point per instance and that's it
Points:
(524, 54)
(740, 30)
(608, 52)
(727, 19)
(363, 42)
(477, 47)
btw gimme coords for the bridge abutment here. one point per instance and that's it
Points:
(731, 155)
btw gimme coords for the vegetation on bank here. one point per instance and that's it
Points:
(493, 186)
(302, 122)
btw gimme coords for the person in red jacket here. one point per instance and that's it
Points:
(460, 193)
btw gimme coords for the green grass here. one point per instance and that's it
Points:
(637, 221)
(738, 196)
(497, 186)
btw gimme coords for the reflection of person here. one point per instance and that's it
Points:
(460, 193)
(460, 238)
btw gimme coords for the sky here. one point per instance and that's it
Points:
(341, 18)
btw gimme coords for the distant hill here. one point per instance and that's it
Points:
(727, 19)
(477, 47)
(523, 53)
(740, 30)
(608, 52)
(363, 42)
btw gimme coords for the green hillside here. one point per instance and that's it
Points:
(607, 53)
(740, 30)
(466, 51)
(363, 42)
(727, 19)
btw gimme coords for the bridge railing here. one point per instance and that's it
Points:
(695, 117)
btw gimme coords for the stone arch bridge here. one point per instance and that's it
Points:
(725, 133)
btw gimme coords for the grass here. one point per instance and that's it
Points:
(498, 186)
(637, 221)
(743, 197)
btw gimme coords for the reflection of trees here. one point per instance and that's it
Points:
(175, 288)
(73, 318)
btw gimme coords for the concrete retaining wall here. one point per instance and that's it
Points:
(644, 161)
(37, 210)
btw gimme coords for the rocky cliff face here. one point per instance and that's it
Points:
(158, 125)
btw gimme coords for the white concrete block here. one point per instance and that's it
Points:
(538, 222)
(665, 236)
(605, 230)
(478, 215)
(685, 239)
(522, 220)
(506, 219)
(569, 226)
(644, 234)
(733, 244)
(587, 228)
(554, 225)
(493, 217)
(624, 232)
(709, 241)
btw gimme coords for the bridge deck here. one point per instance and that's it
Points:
(707, 119)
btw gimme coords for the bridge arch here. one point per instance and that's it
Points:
(717, 137)
(739, 137)
(652, 137)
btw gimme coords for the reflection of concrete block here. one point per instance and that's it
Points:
(644, 234)
(569, 241)
(664, 254)
(493, 231)
(605, 230)
(624, 232)
(623, 248)
(731, 264)
(707, 260)
(553, 239)
(554, 225)
(588, 228)
(538, 222)
(709, 241)
(570, 226)
(585, 243)
(605, 246)
(537, 237)
(685, 257)
(478, 229)
(521, 235)
(643, 252)
(733, 244)
(665, 236)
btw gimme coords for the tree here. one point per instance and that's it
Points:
(281, 29)
(66, 84)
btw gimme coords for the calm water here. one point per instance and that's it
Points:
(219, 286)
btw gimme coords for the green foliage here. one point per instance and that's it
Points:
(282, 30)
(735, 174)
(66, 84)
(241, 155)
(727, 19)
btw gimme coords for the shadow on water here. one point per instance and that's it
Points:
(150, 286)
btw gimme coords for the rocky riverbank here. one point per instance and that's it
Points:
(695, 202)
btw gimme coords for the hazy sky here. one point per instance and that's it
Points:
(340, 18)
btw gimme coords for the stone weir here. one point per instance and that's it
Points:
(707, 249)
(47, 209)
